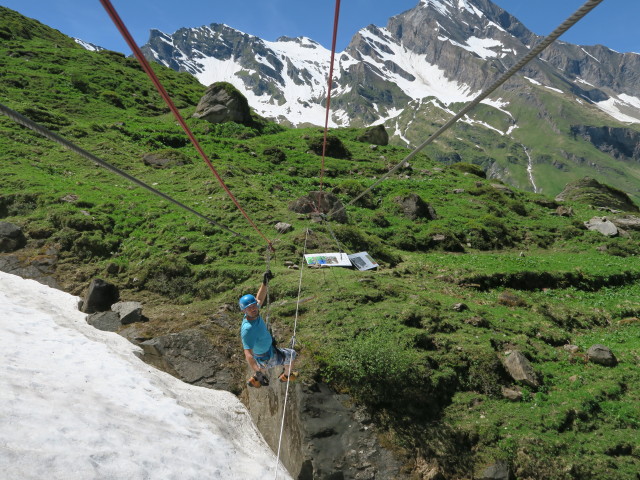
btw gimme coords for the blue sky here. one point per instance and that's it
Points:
(613, 23)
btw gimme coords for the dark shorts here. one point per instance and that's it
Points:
(279, 356)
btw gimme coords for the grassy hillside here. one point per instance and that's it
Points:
(396, 339)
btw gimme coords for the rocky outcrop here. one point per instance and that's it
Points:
(376, 135)
(334, 148)
(415, 208)
(320, 203)
(590, 191)
(99, 297)
(223, 103)
(520, 369)
(105, 321)
(324, 437)
(602, 225)
(40, 268)
(11, 237)
(620, 143)
(190, 356)
(602, 355)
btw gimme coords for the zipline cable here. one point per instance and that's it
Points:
(293, 343)
(163, 93)
(566, 25)
(26, 122)
(329, 86)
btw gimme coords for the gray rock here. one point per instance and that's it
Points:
(602, 225)
(520, 369)
(222, 102)
(11, 237)
(376, 135)
(40, 268)
(414, 207)
(497, 471)
(100, 296)
(128, 312)
(627, 222)
(601, 355)
(192, 357)
(107, 321)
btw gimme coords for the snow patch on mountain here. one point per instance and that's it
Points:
(616, 107)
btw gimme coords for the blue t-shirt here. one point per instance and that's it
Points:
(255, 336)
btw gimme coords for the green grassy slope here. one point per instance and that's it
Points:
(531, 281)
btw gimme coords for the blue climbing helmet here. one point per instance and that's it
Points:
(247, 300)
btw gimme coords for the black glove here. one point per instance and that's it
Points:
(267, 276)
(262, 378)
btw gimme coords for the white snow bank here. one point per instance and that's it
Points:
(77, 403)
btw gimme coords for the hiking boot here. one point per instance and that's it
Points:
(284, 378)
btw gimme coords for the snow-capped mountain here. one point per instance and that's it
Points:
(447, 49)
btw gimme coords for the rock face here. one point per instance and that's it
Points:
(317, 203)
(128, 312)
(592, 192)
(190, 356)
(223, 103)
(620, 143)
(11, 237)
(39, 268)
(323, 438)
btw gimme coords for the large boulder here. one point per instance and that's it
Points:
(222, 102)
(592, 192)
(334, 149)
(99, 297)
(106, 321)
(520, 369)
(602, 355)
(11, 237)
(128, 312)
(320, 203)
(376, 135)
(414, 207)
(602, 225)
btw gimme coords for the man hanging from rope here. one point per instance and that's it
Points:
(259, 346)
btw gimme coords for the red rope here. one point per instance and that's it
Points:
(149, 71)
(330, 84)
